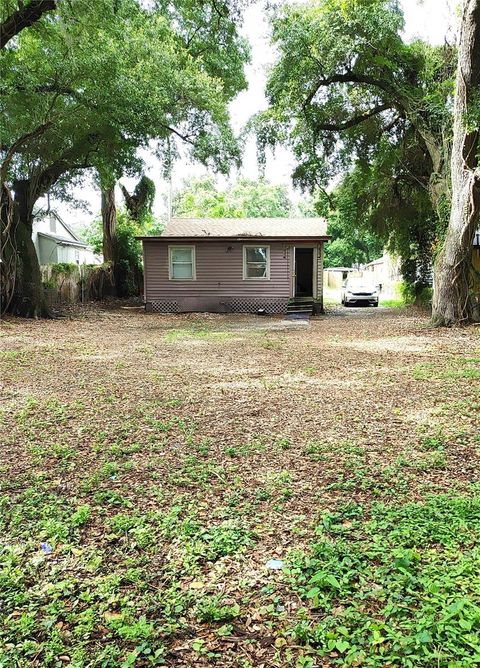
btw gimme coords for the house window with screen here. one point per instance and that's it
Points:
(181, 263)
(256, 262)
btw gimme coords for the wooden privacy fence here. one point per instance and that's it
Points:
(69, 283)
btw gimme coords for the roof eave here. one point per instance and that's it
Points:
(61, 241)
(321, 237)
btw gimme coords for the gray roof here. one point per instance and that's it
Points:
(246, 227)
(63, 241)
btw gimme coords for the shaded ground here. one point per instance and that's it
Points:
(164, 460)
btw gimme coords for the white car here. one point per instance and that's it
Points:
(359, 291)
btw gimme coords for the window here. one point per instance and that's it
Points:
(256, 262)
(181, 263)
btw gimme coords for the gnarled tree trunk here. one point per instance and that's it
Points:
(452, 300)
(109, 221)
(28, 298)
(110, 240)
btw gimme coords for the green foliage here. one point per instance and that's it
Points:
(200, 198)
(351, 243)
(351, 98)
(145, 193)
(381, 199)
(128, 248)
(109, 77)
(397, 587)
(210, 609)
(65, 268)
(344, 71)
(353, 240)
(415, 294)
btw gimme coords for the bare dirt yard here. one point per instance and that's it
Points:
(209, 490)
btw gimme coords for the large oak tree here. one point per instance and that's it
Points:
(95, 81)
(346, 89)
(453, 301)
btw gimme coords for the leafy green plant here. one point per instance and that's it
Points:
(397, 587)
(210, 609)
(81, 515)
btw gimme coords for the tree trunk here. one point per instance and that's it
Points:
(28, 298)
(8, 259)
(109, 220)
(453, 301)
(110, 241)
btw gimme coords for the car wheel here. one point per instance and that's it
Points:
(376, 304)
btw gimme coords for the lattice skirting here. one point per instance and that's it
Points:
(251, 305)
(271, 305)
(163, 306)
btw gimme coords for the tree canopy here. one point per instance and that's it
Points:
(200, 198)
(344, 73)
(100, 79)
(92, 82)
(352, 98)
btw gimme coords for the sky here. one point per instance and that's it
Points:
(432, 20)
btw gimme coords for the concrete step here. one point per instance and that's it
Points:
(299, 309)
(301, 300)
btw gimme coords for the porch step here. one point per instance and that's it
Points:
(303, 306)
(293, 308)
(300, 300)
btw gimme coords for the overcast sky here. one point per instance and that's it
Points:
(432, 20)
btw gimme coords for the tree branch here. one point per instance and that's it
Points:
(349, 77)
(185, 138)
(10, 152)
(352, 122)
(73, 158)
(24, 17)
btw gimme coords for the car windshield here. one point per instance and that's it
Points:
(360, 284)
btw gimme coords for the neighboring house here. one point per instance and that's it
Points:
(334, 277)
(384, 271)
(56, 242)
(238, 265)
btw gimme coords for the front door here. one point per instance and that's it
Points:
(303, 272)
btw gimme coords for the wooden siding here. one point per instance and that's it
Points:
(319, 295)
(219, 272)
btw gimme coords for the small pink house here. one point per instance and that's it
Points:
(239, 265)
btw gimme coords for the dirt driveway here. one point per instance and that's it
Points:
(164, 460)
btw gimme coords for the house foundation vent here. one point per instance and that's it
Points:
(246, 305)
(163, 307)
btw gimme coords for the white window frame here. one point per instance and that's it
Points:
(170, 262)
(256, 278)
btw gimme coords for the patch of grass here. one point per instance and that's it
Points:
(316, 451)
(244, 449)
(16, 356)
(455, 368)
(398, 587)
(177, 334)
(432, 443)
(392, 303)
(196, 472)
